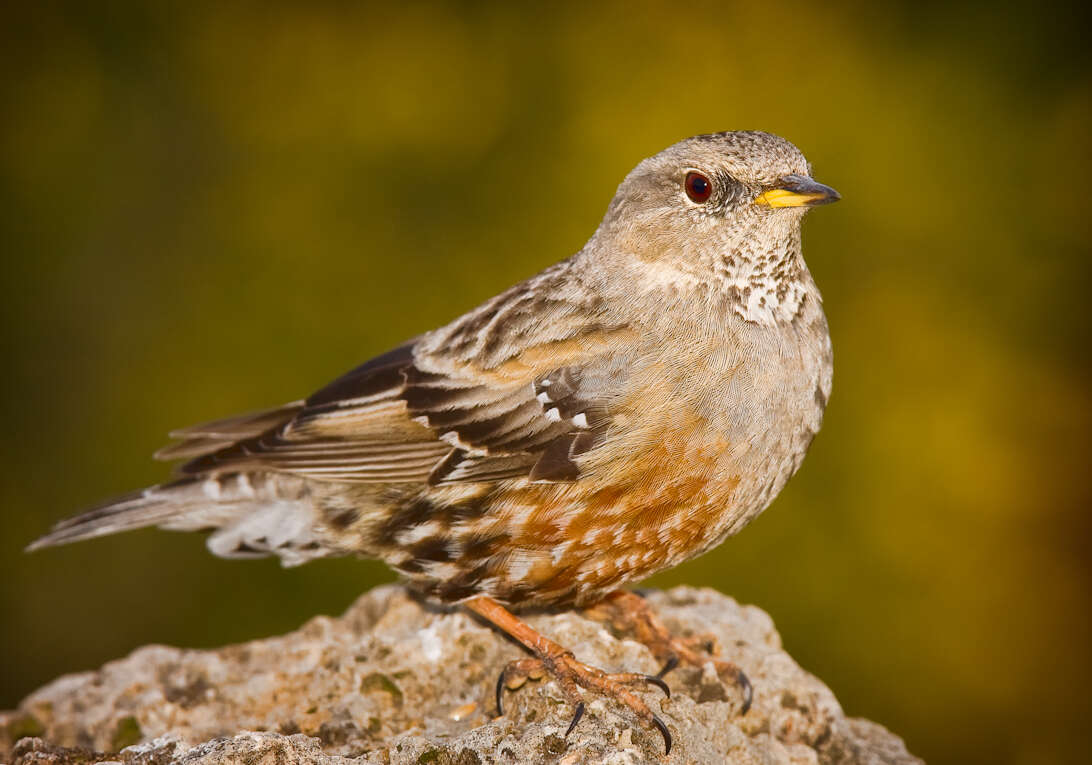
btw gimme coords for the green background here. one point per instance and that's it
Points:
(208, 209)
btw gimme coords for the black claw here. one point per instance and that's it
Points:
(748, 691)
(500, 692)
(655, 680)
(666, 734)
(670, 665)
(576, 718)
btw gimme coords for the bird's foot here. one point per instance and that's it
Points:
(553, 660)
(571, 674)
(629, 613)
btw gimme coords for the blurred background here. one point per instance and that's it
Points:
(211, 209)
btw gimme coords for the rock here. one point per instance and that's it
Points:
(395, 681)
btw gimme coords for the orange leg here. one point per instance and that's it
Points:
(560, 664)
(628, 612)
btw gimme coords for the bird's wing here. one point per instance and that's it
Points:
(213, 436)
(518, 387)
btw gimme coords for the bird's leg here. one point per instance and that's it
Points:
(560, 664)
(629, 613)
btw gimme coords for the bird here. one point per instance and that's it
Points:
(624, 410)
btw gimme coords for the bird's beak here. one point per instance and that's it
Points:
(797, 191)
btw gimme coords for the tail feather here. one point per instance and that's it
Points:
(250, 516)
(149, 507)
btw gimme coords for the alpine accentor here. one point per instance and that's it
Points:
(622, 411)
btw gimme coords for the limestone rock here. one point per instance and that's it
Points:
(397, 681)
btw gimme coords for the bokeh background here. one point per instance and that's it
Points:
(215, 208)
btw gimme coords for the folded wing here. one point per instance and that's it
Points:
(476, 401)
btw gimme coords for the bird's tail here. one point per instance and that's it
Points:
(250, 514)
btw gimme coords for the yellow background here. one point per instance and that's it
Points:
(209, 209)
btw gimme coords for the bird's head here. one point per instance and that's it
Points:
(720, 213)
(723, 186)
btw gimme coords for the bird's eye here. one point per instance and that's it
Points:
(698, 187)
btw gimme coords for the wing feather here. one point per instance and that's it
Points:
(212, 436)
(478, 400)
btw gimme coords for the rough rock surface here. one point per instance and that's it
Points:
(396, 681)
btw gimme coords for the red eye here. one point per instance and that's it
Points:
(698, 187)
